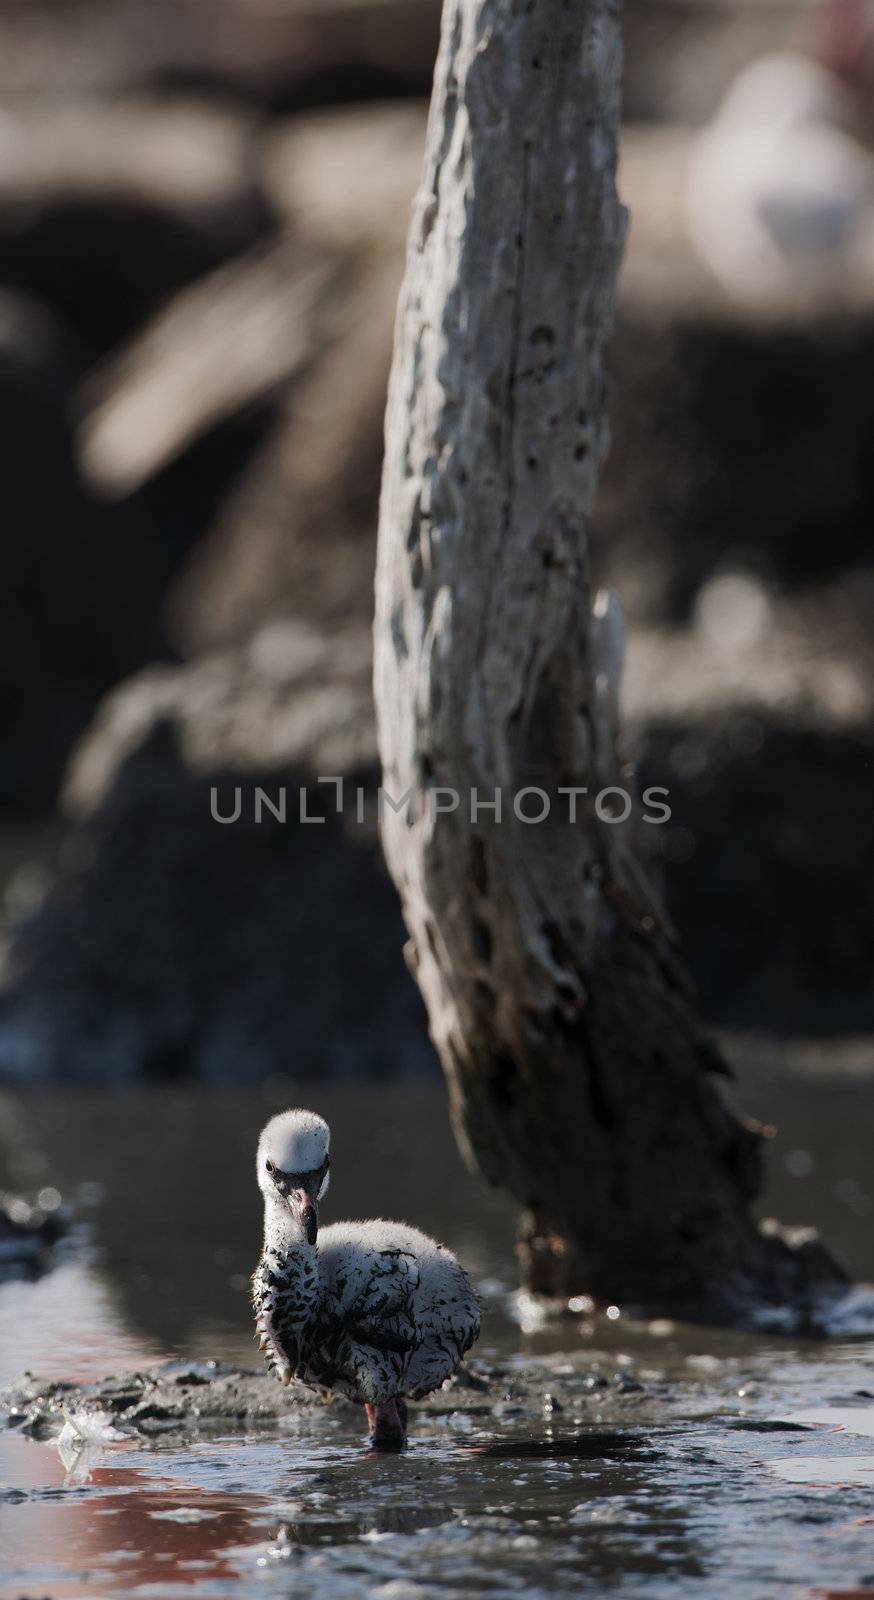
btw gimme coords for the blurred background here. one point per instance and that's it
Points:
(203, 206)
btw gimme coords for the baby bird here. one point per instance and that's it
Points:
(780, 192)
(376, 1310)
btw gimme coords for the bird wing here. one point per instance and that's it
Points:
(381, 1314)
(271, 1324)
(448, 1330)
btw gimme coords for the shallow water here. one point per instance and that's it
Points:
(738, 1467)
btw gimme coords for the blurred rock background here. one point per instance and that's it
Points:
(203, 206)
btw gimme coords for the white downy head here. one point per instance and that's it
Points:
(293, 1165)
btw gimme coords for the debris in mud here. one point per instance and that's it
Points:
(82, 1438)
(189, 1396)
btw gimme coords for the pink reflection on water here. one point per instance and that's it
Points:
(135, 1526)
(72, 1328)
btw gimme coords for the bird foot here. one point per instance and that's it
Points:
(388, 1425)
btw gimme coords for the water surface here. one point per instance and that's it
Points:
(683, 1462)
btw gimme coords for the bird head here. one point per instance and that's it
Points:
(293, 1165)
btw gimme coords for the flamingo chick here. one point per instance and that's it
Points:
(376, 1310)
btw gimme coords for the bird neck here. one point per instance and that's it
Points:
(284, 1233)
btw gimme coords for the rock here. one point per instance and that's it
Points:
(173, 946)
(750, 654)
(292, 697)
(774, 818)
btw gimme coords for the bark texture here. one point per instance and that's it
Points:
(578, 1077)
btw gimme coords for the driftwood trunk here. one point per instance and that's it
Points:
(578, 1077)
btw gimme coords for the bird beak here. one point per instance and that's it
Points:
(305, 1205)
(303, 1200)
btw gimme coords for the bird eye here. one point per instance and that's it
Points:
(270, 1168)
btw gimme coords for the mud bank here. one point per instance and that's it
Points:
(186, 1397)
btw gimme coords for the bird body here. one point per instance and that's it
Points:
(375, 1310)
(781, 187)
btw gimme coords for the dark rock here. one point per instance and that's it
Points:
(770, 866)
(290, 697)
(171, 945)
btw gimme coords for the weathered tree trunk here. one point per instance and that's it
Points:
(578, 1078)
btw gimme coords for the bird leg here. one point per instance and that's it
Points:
(388, 1425)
